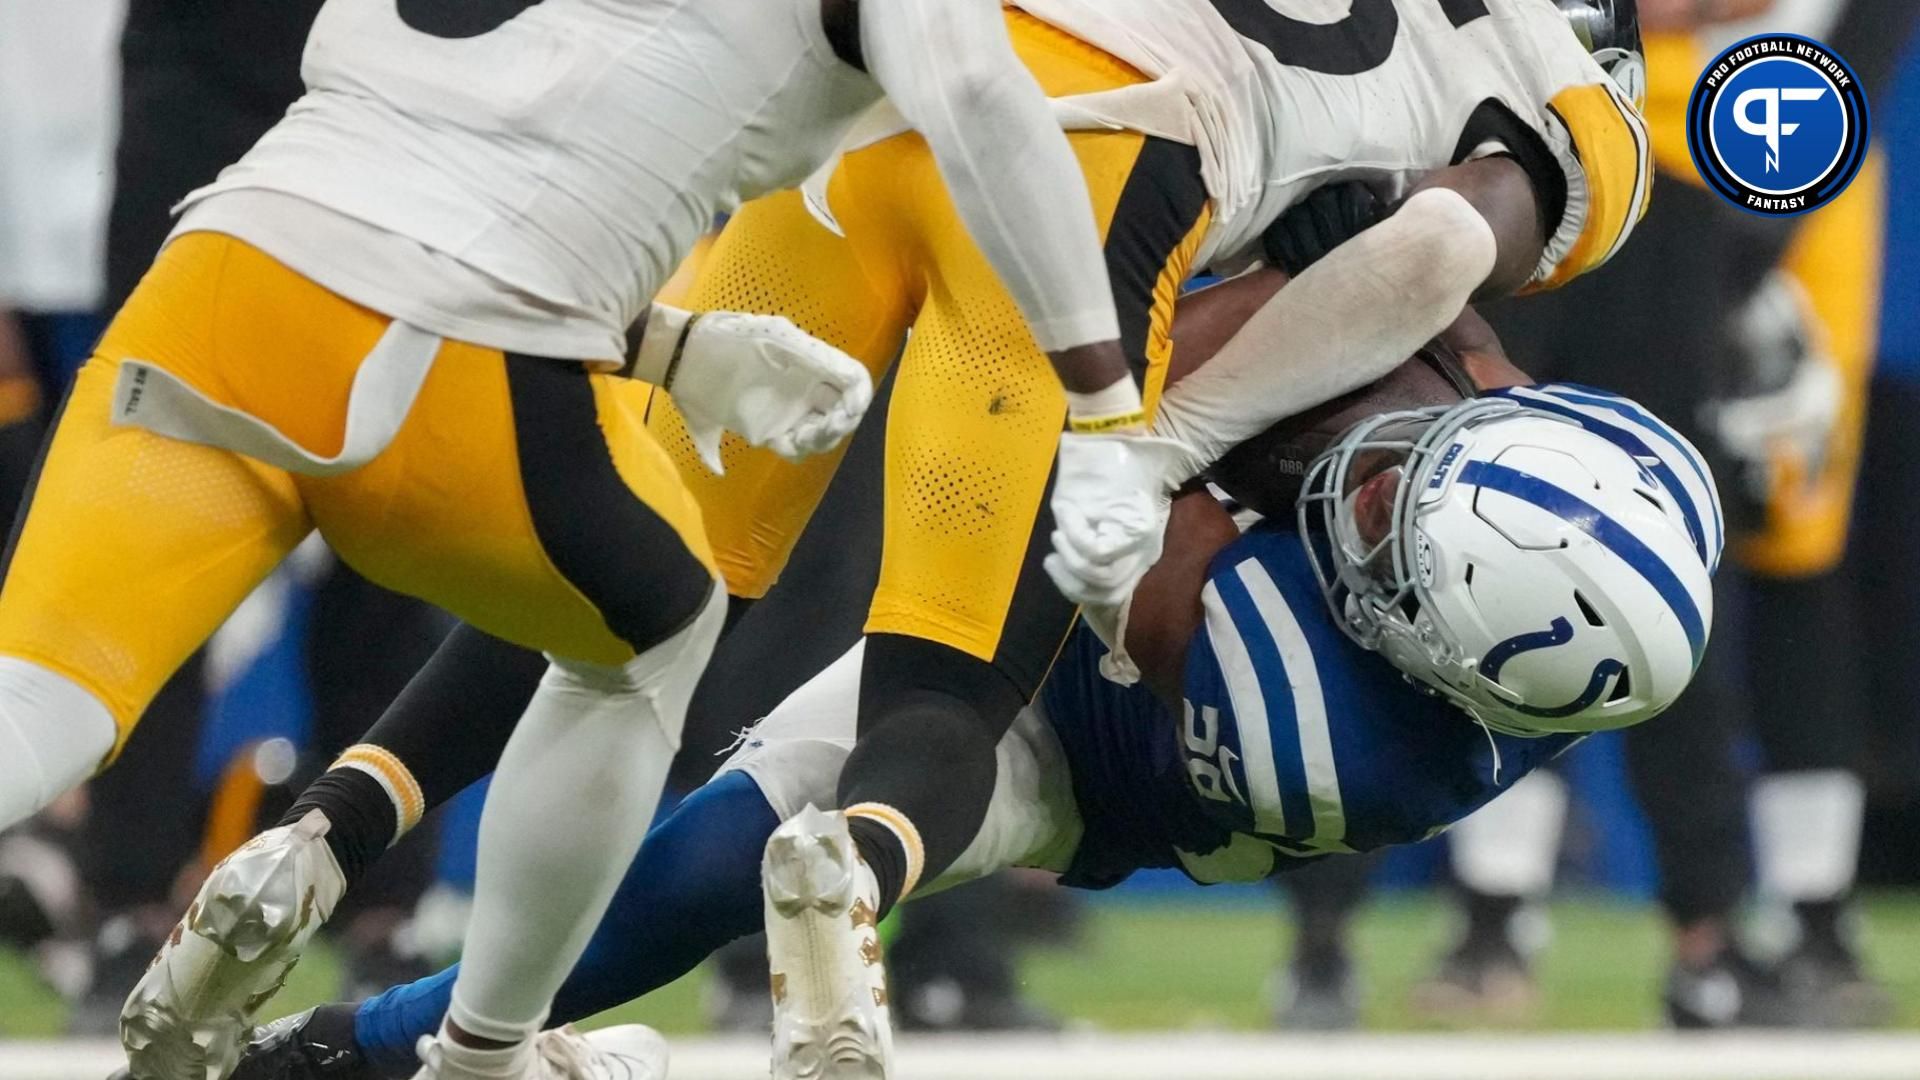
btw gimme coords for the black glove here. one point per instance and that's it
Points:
(1325, 219)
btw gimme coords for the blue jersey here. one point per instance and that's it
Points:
(1292, 742)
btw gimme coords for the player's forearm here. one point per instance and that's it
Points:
(950, 70)
(1165, 612)
(1348, 320)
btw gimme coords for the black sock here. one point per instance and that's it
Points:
(1490, 917)
(1822, 923)
(1320, 947)
(330, 1041)
(362, 816)
(1324, 896)
(930, 761)
(884, 856)
(930, 717)
(449, 726)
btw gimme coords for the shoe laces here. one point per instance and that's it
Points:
(571, 1054)
(427, 1049)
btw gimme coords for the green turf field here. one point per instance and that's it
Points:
(1205, 965)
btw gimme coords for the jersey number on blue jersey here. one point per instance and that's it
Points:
(1358, 43)
(1213, 780)
(459, 18)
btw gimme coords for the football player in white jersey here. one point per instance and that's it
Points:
(402, 319)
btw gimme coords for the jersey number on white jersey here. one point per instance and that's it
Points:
(1358, 43)
(459, 18)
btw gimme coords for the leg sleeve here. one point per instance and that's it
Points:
(795, 755)
(567, 812)
(1033, 819)
(125, 867)
(694, 887)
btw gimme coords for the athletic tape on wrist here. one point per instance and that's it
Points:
(1097, 424)
(1111, 408)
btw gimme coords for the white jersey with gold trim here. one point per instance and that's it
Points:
(1293, 94)
(567, 152)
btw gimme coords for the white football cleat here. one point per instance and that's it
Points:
(189, 1015)
(625, 1052)
(830, 1016)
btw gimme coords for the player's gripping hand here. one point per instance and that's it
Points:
(1328, 217)
(758, 376)
(1110, 497)
(1774, 421)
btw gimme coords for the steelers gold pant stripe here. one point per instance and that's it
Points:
(648, 586)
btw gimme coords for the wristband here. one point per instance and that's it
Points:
(663, 341)
(1111, 409)
(1102, 424)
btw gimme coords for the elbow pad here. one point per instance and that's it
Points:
(1444, 247)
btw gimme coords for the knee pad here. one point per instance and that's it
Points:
(54, 733)
(658, 683)
(897, 669)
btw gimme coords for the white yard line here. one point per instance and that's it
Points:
(1256, 1057)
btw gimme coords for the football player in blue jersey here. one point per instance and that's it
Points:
(1471, 585)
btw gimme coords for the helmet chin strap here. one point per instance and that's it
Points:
(1492, 744)
(1459, 702)
(1453, 697)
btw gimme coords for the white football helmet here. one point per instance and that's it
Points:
(1535, 573)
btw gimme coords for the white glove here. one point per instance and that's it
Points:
(758, 376)
(1776, 425)
(1109, 624)
(1797, 419)
(1110, 498)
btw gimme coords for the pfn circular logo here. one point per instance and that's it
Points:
(1778, 125)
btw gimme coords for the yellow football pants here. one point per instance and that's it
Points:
(522, 495)
(976, 412)
(1836, 257)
